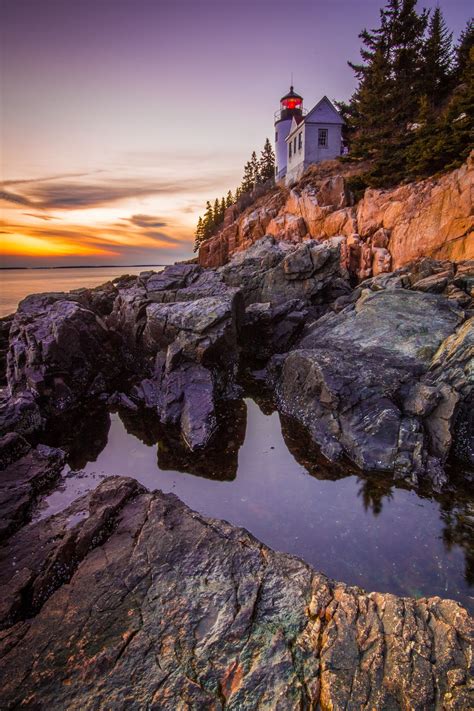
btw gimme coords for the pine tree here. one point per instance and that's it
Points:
(208, 221)
(216, 212)
(229, 199)
(463, 51)
(437, 60)
(248, 179)
(446, 136)
(222, 209)
(387, 98)
(254, 169)
(199, 235)
(266, 165)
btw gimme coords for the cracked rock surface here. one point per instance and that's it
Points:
(129, 600)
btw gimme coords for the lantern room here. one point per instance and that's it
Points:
(291, 105)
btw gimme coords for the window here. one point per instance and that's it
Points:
(289, 150)
(300, 140)
(322, 138)
(276, 135)
(294, 145)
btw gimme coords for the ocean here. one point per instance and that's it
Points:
(15, 284)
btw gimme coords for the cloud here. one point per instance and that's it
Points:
(146, 221)
(162, 237)
(43, 179)
(68, 194)
(16, 199)
(40, 217)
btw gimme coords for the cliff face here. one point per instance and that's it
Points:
(385, 230)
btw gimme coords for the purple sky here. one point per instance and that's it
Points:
(137, 111)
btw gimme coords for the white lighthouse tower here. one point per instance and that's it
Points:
(291, 106)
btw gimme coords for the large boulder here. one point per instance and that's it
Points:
(141, 603)
(355, 381)
(275, 272)
(25, 473)
(190, 337)
(60, 351)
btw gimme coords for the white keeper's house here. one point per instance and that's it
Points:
(305, 137)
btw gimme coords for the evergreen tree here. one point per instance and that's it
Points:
(222, 209)
(463, 51)
(248, 179)
(445, 137)
(437, 60)
(216, 212)
(199, 235)
(266, 165)
(229, 199)
(387, 99)
(208, 221)
(254, 169)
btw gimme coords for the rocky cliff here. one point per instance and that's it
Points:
(383, 231)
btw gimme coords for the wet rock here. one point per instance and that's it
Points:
(191, 344)
(5, 325)
(268, 329)
(20, 414)
(59, 351)
(39, 561)
(28, 473)
(275, 272)
(434, 284)
(142, 603)
(354, 382)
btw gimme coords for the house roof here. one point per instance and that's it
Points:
(334, 117)
(337, 116)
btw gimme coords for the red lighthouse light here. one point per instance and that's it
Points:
(293, 103)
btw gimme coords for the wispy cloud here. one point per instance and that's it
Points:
(146, 221)
(40, 217)
(68, 194)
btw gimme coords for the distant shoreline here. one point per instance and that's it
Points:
(85, 266)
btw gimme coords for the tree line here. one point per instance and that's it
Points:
(412, 111)
(257, 171)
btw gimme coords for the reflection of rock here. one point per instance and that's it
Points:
(458, 519)
(83, 434)
(308, 454)
(217, 461)
(142, 602)
(28, 473)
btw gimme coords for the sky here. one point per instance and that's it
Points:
(122, 117)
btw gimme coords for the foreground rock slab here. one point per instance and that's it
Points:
(129, 600)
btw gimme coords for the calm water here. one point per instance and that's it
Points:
(15, 284)
(373, 535)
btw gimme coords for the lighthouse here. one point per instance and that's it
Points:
(303, 137)
(291, 107)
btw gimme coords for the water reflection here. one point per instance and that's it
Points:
(264, 474)
(218, 462)
(83, 434)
